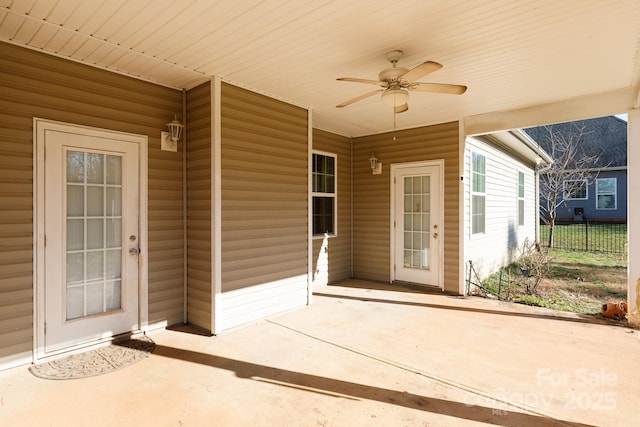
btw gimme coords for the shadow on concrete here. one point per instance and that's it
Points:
(397, 286)
(355, 391)
(190, 328)
(578, 318)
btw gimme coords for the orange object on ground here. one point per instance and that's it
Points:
(615, 310)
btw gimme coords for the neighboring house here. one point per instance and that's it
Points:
(500, 197)
(603, 195)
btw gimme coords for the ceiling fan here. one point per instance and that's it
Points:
(396, 82)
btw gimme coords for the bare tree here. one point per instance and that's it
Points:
(570, 173)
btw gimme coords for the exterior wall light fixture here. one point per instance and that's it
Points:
(376, 165)
(169, 140)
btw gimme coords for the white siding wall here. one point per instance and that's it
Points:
(503, 238)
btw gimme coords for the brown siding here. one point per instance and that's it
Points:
(264, 197)
(335, 263)
(199, 206)
(36, 85)
(372, 195)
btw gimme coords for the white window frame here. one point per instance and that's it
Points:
(521, 198)
(564, 190)
(478, 194)
(334, 195)
(615, 194)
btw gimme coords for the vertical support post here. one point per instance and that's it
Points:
(633, 230)
(216, 207)
(310, 207)
(185, 216)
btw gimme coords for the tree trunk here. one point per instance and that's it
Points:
(551, 230)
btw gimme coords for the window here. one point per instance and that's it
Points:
(575, 189)
(324, 193)
(520, 198)
(478, 193)
(606, 193)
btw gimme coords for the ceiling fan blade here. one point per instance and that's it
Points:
(358, 98)
(420, 71)
(367, 81)
(438, 88)
(401, 108)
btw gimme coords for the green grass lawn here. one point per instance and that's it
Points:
(576, 281)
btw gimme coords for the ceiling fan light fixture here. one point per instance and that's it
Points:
(395, 97)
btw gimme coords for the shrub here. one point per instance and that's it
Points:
(533, 264)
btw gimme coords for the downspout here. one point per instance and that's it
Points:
(309, 207)
(351, 208)
(462, 214)
(185, 282)
(538, 171)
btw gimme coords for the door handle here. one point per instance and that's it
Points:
(134, 251)
(435, 235)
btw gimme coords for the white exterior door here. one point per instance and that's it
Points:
(417, 223)
(91, 236)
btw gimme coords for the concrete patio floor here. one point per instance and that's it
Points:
(363, 354)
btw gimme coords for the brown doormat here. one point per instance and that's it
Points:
(100, 361)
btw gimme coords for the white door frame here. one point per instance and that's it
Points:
(40, 126)
(392, 213)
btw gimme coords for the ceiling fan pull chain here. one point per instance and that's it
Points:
(394, 124)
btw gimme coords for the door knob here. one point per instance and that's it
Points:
(134, 251)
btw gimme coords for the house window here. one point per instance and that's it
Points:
(606, 193)
(478, 193)
(575, 189)
(324, 193)
(520, 198)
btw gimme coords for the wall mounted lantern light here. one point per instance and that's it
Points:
(376, 165)
(169, 140)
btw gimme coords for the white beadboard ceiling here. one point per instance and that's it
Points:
(511, 54)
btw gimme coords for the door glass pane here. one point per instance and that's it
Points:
(95, 168)
(94, 234)
(75, 268)
(112, 295)
(75, 166)
(417, 203)
(417, 185)
(113, 264)
(95, 200)
(417, 222)
(114, 170)
(75, 234)
(407, 240)
(75, 200)
(407, 258)
(407, 203)
(95, 265)
(408, 220)
(75, 302)
(95, 293)
(114, 233)
(113, 201)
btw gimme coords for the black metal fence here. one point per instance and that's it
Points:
(587, 236)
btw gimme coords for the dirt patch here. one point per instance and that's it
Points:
(576, 282)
